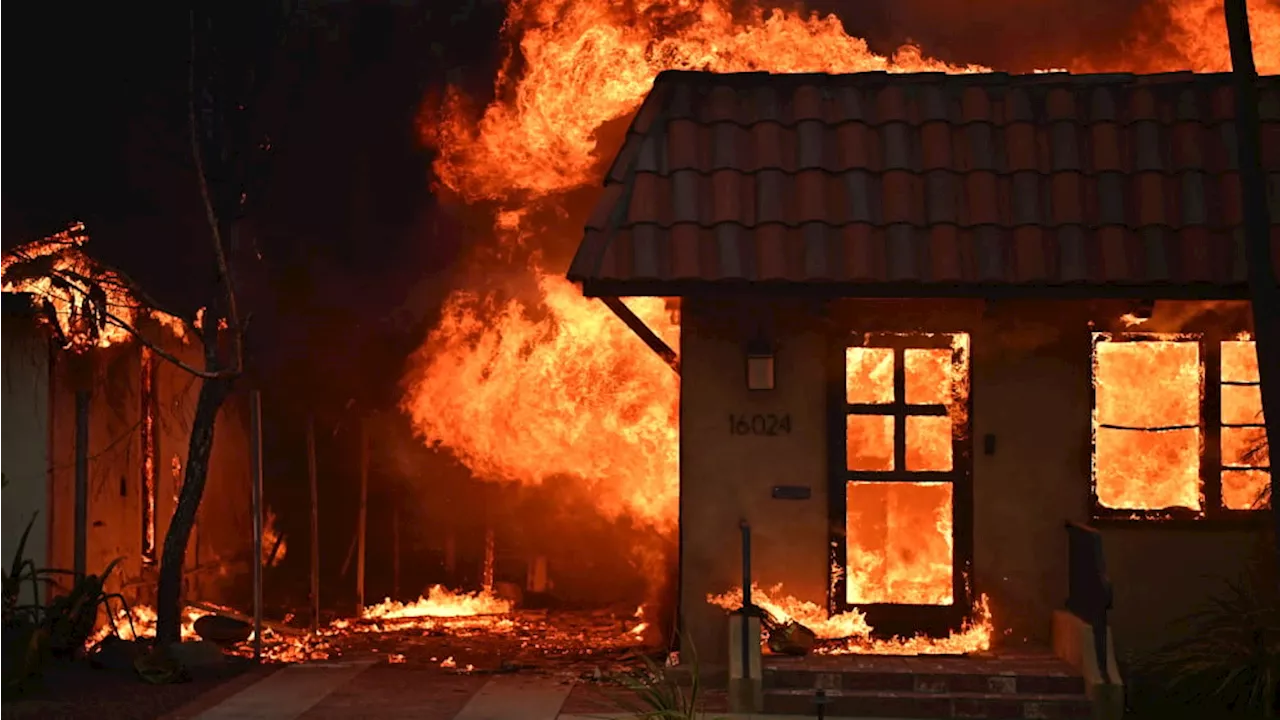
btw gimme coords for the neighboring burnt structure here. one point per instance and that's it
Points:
(137, 412)
(927, 320)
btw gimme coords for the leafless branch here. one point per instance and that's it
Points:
(132, 289)
(166, 355)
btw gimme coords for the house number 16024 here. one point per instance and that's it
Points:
(767, 424)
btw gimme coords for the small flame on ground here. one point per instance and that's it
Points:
(275, 647)
(439, 602)
(849, 633)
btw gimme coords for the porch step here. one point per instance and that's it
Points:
(890, 704)
(1013, 685)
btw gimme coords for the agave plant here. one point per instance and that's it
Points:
(35, 633)
(26, 646)
(71, 618)
(660, 696)
(1231, 658)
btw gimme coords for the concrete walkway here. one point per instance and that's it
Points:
(286, 694)
(332, 691)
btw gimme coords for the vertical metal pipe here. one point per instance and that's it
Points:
(395, 551)
(255, 467)
(747, 604)
(315, 526)
(82, 483)
(362, 522)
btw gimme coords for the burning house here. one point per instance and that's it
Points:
(926, 323)
(96, 434)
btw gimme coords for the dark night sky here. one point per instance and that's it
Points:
(346, 226)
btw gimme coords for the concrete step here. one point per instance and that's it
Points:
(936, 679)
(931, 705)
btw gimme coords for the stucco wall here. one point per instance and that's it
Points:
(724, 479)
(1031, 394)
(25, 360)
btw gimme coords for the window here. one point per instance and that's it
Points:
(1177, 423)
(1245, 473)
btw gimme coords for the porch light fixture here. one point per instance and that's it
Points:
(760, 365)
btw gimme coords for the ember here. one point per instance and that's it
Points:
(276, 647)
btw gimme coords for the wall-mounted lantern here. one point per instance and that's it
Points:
(760, 365)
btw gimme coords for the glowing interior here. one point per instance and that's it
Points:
(1147, 424)
(899, 543)
(1244, 449)
(899, 534)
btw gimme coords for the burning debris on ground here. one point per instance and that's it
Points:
(456, 631)
(848, 633)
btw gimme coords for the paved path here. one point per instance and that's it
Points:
(286, 694)
(356, 690)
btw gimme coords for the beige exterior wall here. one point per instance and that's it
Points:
(1031, 393)
(725, 479)
(25, 359)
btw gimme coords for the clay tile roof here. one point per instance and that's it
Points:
(875, 183)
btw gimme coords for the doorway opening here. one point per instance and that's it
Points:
(901, 498)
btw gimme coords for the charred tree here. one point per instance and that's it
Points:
(1263, 290)
(213, 392)
(232, 49)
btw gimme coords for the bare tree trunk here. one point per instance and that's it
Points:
(1263, 289)
(169, 593)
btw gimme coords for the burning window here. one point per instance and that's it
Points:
(1151, 434)
(904, 398)
(1146, 424)
(1245, 473)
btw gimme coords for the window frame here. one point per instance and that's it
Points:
(1211, 467)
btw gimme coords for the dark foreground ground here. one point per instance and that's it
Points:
(76, 690)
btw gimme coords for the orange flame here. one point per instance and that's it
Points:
(853, 633)
(439, 602)
(571, 391)
(588, 63)
(1196, 38)
(64, 280)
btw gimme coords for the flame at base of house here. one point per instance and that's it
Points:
(849, 633)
